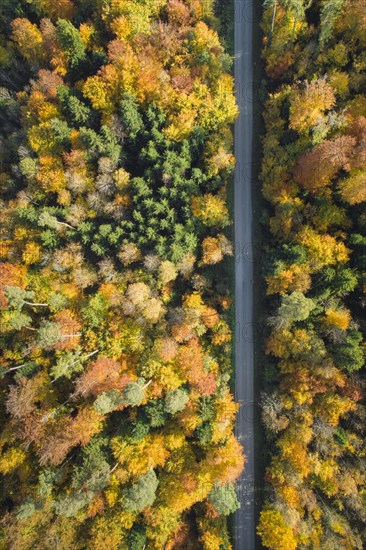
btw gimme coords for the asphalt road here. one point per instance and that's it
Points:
(244, 348)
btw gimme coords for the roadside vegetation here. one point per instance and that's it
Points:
(116, 413)
(314, 182)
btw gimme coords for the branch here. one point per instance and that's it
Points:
(49, 415)
(90, 354)
(66, 225)
(77, 360)
(114, 467)
(15, 368)
(274, 15)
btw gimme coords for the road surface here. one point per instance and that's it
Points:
(244, 537)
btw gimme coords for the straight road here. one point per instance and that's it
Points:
(244, 347)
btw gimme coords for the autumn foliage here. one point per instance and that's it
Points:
(313, 174)
(116, 153)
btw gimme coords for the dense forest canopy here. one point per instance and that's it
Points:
(115, 161)
(314, 179)
(117, 416)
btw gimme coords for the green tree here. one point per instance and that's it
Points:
(176, 400)
(137, 538)
(295, 307)
(329, 12)
(95, 312)
(350, 355)
(155, 412)
(93, 474)
(224, 498)
(73, 107)
(134, 392)
(108, 401)
(141, 494)
(18, 297)
(28, 167)
(50, 333)
(71, 42)
(18, 320)
(61, 132)
(46, 219)
(69, 363)
(71, 504)
(26, 510)
(131, 118)
(339, 281)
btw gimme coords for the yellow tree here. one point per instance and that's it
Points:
(274, 531)
(28, 40)
(210, 209)
(139, 457)
(308, 104)
(339, 318)
(322, 249)
(63, 10)
(294, 278)
(214, 249)
(353, 189)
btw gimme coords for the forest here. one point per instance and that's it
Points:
(116, 154)
(116, 164)
(314, 183)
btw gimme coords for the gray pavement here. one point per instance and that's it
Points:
(244, 538)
